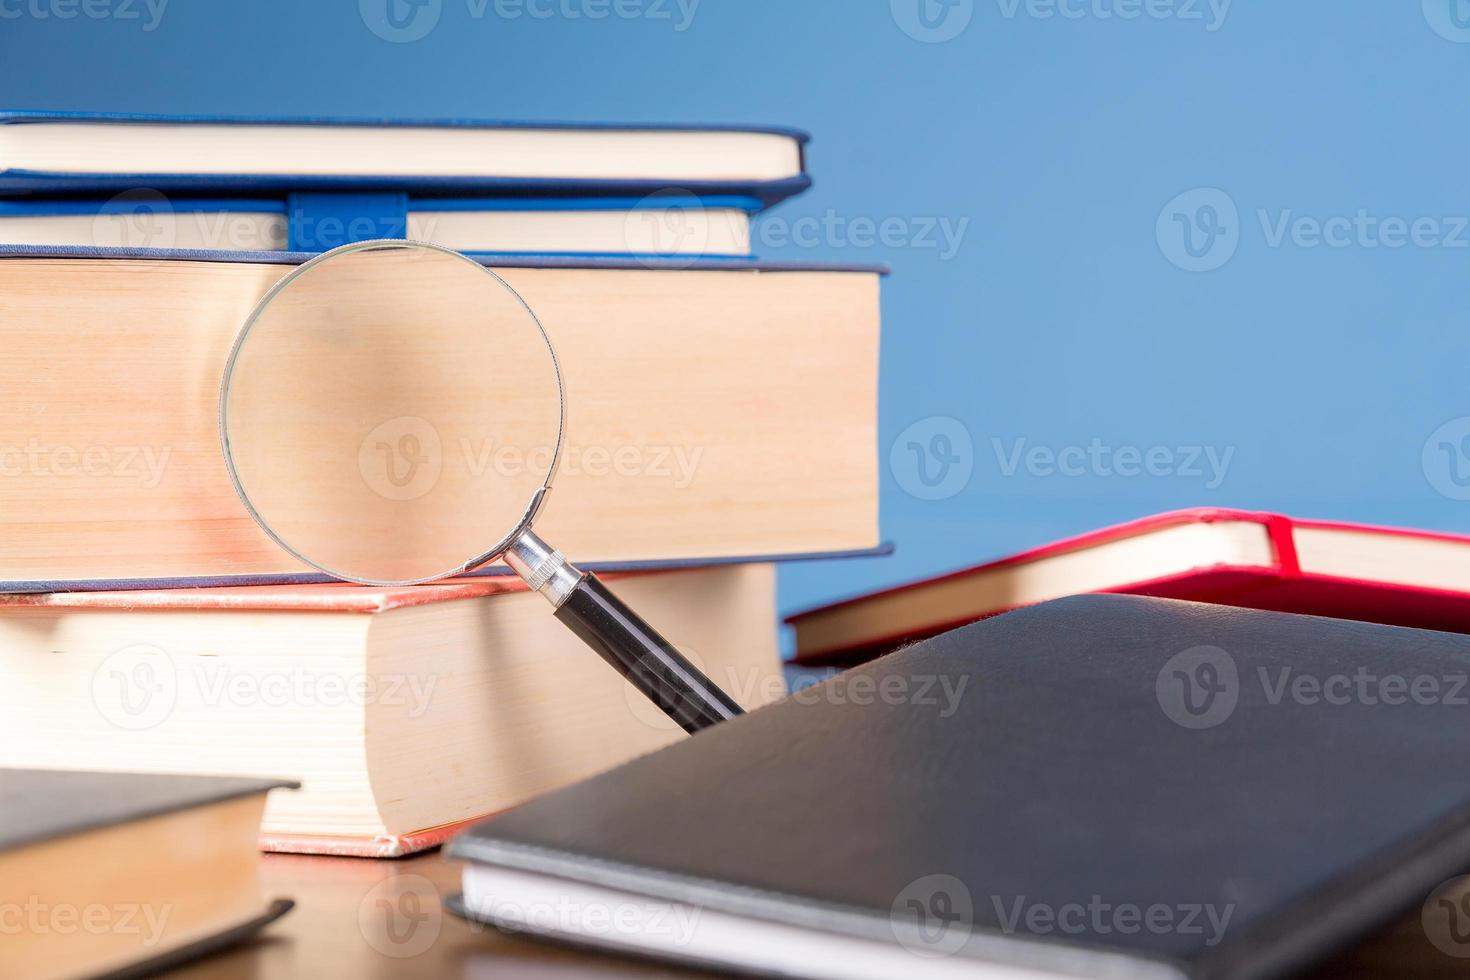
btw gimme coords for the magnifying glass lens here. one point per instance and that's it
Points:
(391, 413)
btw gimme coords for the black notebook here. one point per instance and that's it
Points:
(124, 875)
(1101, 786)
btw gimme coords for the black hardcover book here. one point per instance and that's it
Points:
(124, 875)
(1097, 786)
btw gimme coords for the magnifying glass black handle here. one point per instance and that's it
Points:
(633, 648)
(648, 661)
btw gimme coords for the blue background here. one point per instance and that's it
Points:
(1061, 318)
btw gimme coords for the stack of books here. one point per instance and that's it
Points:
(149, 625)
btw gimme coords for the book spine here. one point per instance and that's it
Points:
(1282, 532)
(320, 221)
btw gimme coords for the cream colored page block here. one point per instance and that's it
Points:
(215, 693)
(653, 231)
(512, 720)
(1146, 556)
(227, 230)
(1420, 562)
(108, 396)
(142, 148)
(394, 723)
(695, 377)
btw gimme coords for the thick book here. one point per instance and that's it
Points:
(759, 439)
(402, 712)
(654, 226)
(48, 153)
(1098, 786)
(1397, 576)
(126, 874)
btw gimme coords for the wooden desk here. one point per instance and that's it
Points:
(381, 919)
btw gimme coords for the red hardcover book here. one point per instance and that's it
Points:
(1396, 576)
(403, 712)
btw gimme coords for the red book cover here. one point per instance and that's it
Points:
(400, 845)
(1395, 576)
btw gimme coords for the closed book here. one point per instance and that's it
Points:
(127, 874)
(48, 153)
(1398, 576)
(758, 440)
(655, 226)
(1099, 786)
(402, 712)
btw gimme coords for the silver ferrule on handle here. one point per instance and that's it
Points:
(543, 567)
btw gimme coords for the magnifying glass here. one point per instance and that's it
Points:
(392, 413)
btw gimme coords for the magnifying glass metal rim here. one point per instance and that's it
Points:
(521, 526)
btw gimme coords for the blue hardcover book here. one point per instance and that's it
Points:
(658, 225)
(97, 153)
(114, 477)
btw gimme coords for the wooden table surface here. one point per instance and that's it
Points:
(378, 919)
(370, 919)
